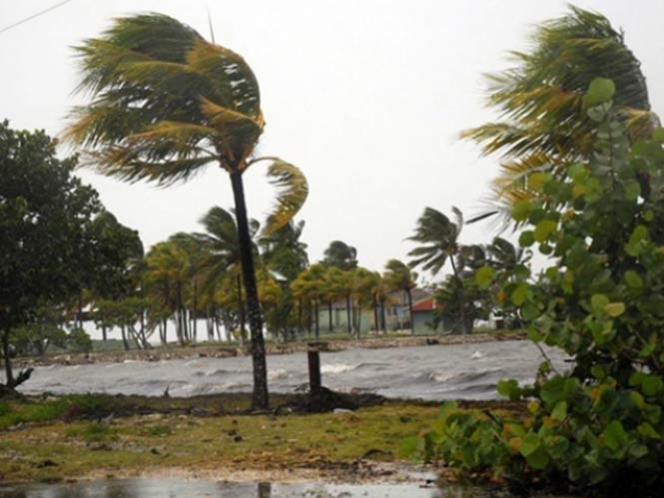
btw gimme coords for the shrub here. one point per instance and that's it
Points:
(598, 427)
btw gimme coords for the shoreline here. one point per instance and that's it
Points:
(221, 350)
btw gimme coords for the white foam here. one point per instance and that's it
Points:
(334, 368)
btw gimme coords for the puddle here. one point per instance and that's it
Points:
(194, 488)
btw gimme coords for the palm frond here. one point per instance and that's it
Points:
(293, 190)
(540, 100)
(165, 101)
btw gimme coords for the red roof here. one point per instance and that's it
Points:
(428, 304)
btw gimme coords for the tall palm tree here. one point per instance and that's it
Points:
(399, 277)
(166, 103)
(540, 100)
(439, 239)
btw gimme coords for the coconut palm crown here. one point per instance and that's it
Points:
(542, 123)
(164, 104)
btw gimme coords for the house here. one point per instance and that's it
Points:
(424, 317)
(394, 314)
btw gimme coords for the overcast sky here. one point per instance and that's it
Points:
(367, 97)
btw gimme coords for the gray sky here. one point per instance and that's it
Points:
(367, 97)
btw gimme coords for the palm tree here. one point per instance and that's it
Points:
(364, 283)
(224, 256)
(341, 255)
(399, 277)
(505, 257)
(540, 100)
(308, 286)
(439, 237)
(165, 103)
(166, 276)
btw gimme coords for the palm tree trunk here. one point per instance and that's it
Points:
(462, 296)
(382, 316)
(329, 316)
(299, 318)
(6, 357)
(410, 310)
(375, 314)
(260, 398)
(194, 315)
(317, 319)
(125, 342)
(240, 309)
(348, 314)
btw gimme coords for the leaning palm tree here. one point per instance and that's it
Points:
(399, 277)
(165, 103)
(438, 237)
(543, 125)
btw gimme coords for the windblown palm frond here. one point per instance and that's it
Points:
(166, 102)
(543, 126)
(438, 236)
(221, 244)
(293, 190)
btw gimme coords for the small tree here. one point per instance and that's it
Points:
(46, 216)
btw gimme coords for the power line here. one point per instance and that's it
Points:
(33, 16)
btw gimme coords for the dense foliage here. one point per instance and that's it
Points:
(600, 425)
(55, 236)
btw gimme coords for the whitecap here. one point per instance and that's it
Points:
(277, 374)
(334, 368)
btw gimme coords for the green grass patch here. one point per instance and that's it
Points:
(75, 448)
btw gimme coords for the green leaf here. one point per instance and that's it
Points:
(614, 435)
(509, 388)
(544, 229)
(646, 430)
(537, 180)
(484, 276)
(538, 459)
(652, 385)
(559, 411)
(639, 234)
(556, 445)
(448, 407)
(632, 190)
(658, 135)
(600, 91)
(599, 302)
(526, 239)
(614, 309)
(521, 210)
(520, 294)
(530, 444)
(632, 279)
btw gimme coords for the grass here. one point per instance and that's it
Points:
(59, 439)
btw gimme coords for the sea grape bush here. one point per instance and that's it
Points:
(599, 426)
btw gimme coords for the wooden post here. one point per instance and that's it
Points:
(313, 356)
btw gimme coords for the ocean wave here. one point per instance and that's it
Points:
(218, 371)
(280, 373)
(457, 377)
(335, 368)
